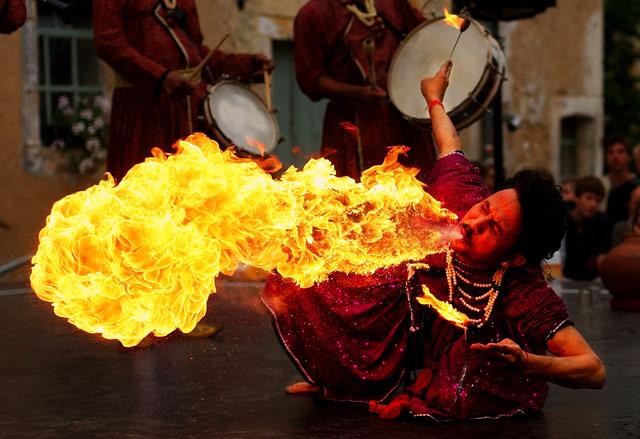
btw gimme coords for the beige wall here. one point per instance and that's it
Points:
(26, 199)
(554, 70)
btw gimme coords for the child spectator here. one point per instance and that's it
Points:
(587, 236)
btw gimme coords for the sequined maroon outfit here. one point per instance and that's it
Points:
(328, 42)
(349, 335)
(141, 41)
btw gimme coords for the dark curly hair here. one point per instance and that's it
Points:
(544, 215)
(615, 139)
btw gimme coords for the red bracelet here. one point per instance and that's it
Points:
(433, 103)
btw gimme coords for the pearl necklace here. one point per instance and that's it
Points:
(453, 275)
(368, 16)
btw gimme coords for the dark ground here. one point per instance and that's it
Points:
(56, 381)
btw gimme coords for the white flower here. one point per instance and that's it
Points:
(86, 166)
(63, 101)
(91, 130)
(98, 124)
(92, 144)
(103, 103)
(100, 155)
(58, 144)
(77, 128)
(86, 114)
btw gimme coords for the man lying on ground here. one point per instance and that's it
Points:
(350, 336)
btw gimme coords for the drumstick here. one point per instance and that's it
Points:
(267, 89)
(207, 58)
(454, 46)
(369, 47)
(463, 27)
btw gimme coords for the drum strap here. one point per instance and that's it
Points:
(401, 34)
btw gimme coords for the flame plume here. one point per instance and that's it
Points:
(456, 21)
(142, 256)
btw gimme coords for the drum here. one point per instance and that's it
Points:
(478, 71)
(236, 115)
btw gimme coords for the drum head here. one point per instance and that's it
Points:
(242, 117)
(421, 55)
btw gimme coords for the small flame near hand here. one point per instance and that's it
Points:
(460, 23)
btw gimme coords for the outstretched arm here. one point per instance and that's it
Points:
(572, 363)
(444, 132)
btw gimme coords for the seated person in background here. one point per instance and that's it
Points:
(569, 193)
(636, 158)
(587, 232)
(619, 181)
(621, 228)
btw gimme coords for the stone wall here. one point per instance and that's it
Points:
(26, 198)
(554, 71)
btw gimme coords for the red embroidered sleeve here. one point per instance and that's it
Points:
(13, 14)
(112, 46)
(310, 50)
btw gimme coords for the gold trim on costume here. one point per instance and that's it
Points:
(368, 16)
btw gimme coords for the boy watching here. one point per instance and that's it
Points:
(587, 236)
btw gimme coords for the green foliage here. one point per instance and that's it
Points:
(622, 55)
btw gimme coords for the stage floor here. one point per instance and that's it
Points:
(56, 381)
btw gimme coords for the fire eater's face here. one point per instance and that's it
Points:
(490, 230)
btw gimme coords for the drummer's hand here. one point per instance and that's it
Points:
(435, 86)
(263, 63)
(368, 94)
(176, 84)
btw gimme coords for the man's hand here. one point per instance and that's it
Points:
(369, 94)
(506, 351)
(435, 86)
(263, 62)
(175, 84)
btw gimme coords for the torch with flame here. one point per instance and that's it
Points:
(460, 23)
(142, 256)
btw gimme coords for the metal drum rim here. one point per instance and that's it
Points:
(211, 121)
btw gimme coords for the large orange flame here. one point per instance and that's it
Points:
(459, 23)
(143, 256)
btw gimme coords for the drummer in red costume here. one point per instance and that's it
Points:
(13, 14)
(149, 43)
(332, 61)
(348, 336)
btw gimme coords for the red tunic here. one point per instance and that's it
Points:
(140, 47)
(328, 41)
(12, 16)
(349, 335)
